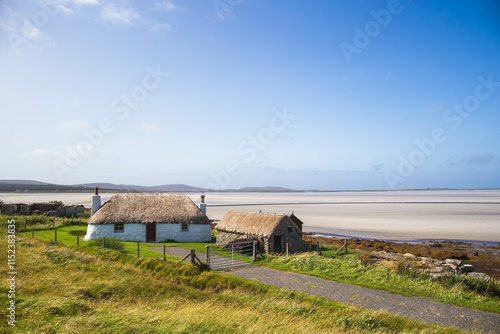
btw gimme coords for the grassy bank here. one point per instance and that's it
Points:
(384, 275)
(64, 289)
(67, 231)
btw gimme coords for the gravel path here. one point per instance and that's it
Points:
(416, 308)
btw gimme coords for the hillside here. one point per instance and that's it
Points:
(90, 290)
(31, 185)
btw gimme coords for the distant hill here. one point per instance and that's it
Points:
(31, 185)
(31, 182)
(129, 187)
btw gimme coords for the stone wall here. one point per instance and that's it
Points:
(293, 238)
(225, 237)
(48, 209)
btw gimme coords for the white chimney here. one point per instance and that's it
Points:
(203, 205)
(96, 202)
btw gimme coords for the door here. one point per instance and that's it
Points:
(277, 243)
(151, 232)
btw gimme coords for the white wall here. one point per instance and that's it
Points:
(132, 232)
(137, 232)
(195, 233)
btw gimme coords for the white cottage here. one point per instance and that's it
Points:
(149, 218)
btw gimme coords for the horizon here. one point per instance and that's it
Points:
(330, 96)
(270, 188)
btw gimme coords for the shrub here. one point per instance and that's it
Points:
(57, 202)
(486, 287)
(405, 268)
(36, 219)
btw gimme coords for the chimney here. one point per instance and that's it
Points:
(203, 206)
(96, 201)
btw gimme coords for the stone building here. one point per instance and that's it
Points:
(148, 218)
(48, 209)
(272, 231)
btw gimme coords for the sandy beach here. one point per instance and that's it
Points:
(403, 215)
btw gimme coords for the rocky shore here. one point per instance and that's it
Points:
(437, 258)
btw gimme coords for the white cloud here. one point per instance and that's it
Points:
(160, 27)
(166, 5)
(80, 2)
(120, 15)
(74, 126)
(151, 129)
(40, 155)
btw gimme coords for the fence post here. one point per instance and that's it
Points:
(77, 239)
(163, 252)
(25, 224)
(103, 242)
(286, 248)
(254, 255)
(207, 247)
(138, 248)
(55, 236)
(32, 232)
(54, 223)
(71, 218)
(345, 243)
(193, 256)
(317, 247)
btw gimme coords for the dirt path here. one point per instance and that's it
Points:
(416, 308)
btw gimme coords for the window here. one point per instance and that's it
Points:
(119, 227)
(290, 230)
(184, 227)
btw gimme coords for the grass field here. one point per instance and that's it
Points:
(65, 289)
(384, 275)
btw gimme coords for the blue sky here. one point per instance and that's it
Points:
(235, 93)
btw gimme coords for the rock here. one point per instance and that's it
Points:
(424, 259)
(449, 267)
(479, 275)
(411, 256)
(453, 261)
(436, 270)
(466, 268)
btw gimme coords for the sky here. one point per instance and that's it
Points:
(327, 95)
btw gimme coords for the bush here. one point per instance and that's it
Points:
(57, 202)
(405, 268)
(36, 219)
(486, 287)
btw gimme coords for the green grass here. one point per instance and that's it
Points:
(348, 269)
(65, 289)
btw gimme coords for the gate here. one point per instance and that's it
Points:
(231, 255)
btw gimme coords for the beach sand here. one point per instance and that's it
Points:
(459, 215)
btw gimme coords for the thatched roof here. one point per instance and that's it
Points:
(262, 224)
(149, 208)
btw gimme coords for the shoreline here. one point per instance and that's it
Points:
(392, 239)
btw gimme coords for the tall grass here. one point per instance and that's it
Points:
(63, 289)
(111, 243)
